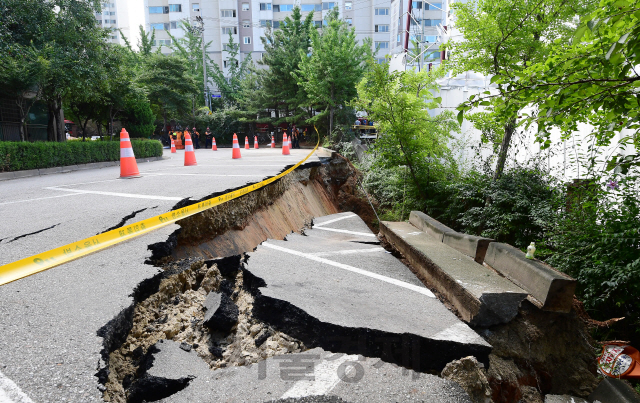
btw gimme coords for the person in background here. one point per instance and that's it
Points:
(357, 122)
(196, 139)
(295, 134)
(208, 138)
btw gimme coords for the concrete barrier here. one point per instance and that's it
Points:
(430, 226)
(612, 390)
(553, 289)
(481, 296)
(470, 245)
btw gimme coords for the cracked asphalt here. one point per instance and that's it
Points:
(48, 322)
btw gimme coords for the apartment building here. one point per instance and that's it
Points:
(122, 16)
(427, 24)
(247, 20)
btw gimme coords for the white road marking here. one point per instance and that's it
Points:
(334, 220)
(129, 195)
(39, 198)
(399, 283)
(10, 392)
(459, 332)
(344, 231)
(235, 165)
(326, 378)
(348, 252)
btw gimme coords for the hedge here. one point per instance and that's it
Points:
(17, 156)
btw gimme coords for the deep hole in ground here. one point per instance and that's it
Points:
(535, 354)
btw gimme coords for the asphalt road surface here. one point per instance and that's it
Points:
(49, 350)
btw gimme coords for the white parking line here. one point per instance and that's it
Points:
(348, 252)
(39, 198)
(399, 283)
(217, 175)
(334, 220)
(344, 231)
(10, 392)
(129, 195)
(326, 378)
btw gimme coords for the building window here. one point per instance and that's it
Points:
(432, 56)
(245, 6)
(227, 13)
(246, 40)
(382, 28)
(381, 60)
(157, 26)
(265, 23)
(349, 21)
(276, 24)
(161, 42)
(318, 24)
(382, 11)
(432, 23)
(175, 8)
(432, 6)
(246, 24)
(229, 30)
(416, 5)
(382, 45)
(265, 6)
(310, 7)
(114, 37)
(174, 24)
(158, 10)
(228, 63)
(431, 38)
(348, 5)
(195, 7)
(282, 7)
(328, 6)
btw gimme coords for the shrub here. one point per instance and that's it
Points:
(17, 156)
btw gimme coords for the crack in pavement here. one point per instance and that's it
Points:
(125, 219)
(33, 233)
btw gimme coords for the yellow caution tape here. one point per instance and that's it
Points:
(54, 257)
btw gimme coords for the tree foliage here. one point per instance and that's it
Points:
(336, 64)
(398, 102)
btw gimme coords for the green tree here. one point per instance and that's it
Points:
(274, 88)
(336, 64)
(502, 36)
(168, 84)
(410, 136)
(230, 85)
(591, 79)
(137, 115)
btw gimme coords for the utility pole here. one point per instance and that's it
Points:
(204, 63)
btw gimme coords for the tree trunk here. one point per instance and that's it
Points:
(51, 124)
(509, 129)
(331, 111)
(164, 124)
(59, 120)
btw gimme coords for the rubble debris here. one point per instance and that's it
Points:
(470, 375)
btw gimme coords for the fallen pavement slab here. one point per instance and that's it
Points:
(298, 377)
(481, 296)
(612, 390)
(367, 303)
(554, 290)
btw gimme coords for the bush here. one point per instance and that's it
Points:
(18, 156)
(597, 242)
(522, 204)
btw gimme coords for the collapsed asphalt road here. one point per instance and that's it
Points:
(296, 299)
(49, 347)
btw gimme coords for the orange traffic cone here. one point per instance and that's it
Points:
(214, 147)
(236, 147)
(285, 145)
(255, 142)
(128, 165)
(246, 142)
(173, 146)
(273, 142)
(189, 154)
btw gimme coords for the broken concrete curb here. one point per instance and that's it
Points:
(481, 296)
(428, 225)
(552, 288)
